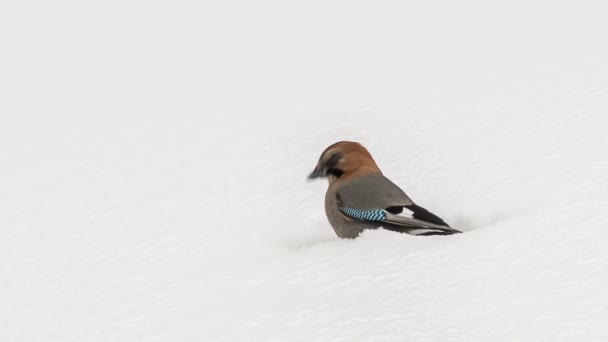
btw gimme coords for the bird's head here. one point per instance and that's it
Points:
(343, 160)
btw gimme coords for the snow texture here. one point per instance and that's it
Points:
(153, 163)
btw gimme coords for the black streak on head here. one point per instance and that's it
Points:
(335, 172)
(332, 165)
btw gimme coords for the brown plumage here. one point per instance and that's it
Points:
(360, 197)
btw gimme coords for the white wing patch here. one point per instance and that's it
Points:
(406, 213)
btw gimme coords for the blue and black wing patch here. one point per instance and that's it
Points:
(369, 215)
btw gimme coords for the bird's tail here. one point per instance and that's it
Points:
(416, 227)
(422, 214)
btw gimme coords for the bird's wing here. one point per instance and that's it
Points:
(397, 223)
(373, 192)
(371, 198)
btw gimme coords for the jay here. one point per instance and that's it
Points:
(360, 197)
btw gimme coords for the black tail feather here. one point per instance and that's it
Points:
(416, 231)
(422, 214)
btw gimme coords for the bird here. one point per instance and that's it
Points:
(359, 197)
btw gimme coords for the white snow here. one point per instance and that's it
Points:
(153, 158)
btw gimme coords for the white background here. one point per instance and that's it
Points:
(153, 158)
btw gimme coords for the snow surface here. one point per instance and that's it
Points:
(153, 158)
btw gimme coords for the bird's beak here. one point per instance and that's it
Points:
(315, 174)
